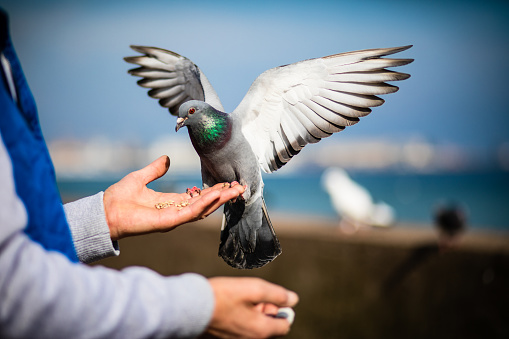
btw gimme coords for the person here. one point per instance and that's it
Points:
(45, 289)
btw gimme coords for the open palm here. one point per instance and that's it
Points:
(130, 206)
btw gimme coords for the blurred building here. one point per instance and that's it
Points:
(100, 156)
(103, 157)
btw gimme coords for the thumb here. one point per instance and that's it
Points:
(155, 170)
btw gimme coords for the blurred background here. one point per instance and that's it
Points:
(438, 146)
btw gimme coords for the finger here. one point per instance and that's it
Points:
(220, 186)
(269, 326)
(208, 201)
(233, 187)
(227, 193)
(226, 185)
(202, 206)
(225, 196)
(155, 170)
(274, 294)
(214, 205)
(232, 192)
(267, 308)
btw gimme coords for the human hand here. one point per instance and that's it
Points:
(246, 308)
(130, 205)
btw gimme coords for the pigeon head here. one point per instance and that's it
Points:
(191, 112)
(207, 126)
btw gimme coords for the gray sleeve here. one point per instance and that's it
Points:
(44, 295)
(89, 229)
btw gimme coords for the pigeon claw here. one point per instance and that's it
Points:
(233, 184)
(193, 192)
(242, 195)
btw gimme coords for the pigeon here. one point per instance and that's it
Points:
(285, 109)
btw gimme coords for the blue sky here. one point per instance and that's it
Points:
(72, 54)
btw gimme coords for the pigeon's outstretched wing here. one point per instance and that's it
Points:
(173, 79)
(290, 106)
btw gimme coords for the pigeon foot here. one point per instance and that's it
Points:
(193, 192)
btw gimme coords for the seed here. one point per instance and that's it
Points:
(164, 204)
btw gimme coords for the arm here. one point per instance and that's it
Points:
(44, 295)
(127, 208)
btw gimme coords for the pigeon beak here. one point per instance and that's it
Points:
(180, 123)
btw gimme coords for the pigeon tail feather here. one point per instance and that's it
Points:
(248, 239)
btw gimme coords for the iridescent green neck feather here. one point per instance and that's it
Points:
(211, 131)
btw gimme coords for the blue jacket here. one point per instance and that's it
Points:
(34, 174)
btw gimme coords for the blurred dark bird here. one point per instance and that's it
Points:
(285, 109)
(451, 221)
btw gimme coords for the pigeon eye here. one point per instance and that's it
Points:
(191, 110)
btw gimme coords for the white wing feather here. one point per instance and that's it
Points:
(290, 106)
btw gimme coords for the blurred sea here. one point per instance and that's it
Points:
(484, 195)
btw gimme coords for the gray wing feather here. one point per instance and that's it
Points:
(172, 78)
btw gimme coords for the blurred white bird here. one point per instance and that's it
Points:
(354, 203)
